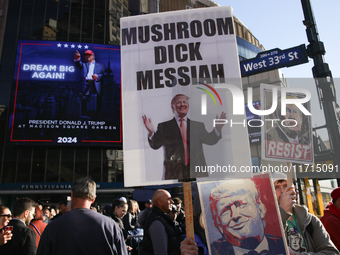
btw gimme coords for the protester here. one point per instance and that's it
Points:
(46, 214)
(297, 221)
(144, 213)
(130, 219)
(119, 209)
(174, 213)
(331, 218)
(24, 239)
(123, 199)
(37, 224)
(107, 210)
(5, 217)
(62, 208)
(160, 235)
(81, 230)
(181, 214)
(52, 213)
(131, 224)
(41, 206)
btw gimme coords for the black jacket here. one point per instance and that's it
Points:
(169, 135)
(23, 240)
(166, 220)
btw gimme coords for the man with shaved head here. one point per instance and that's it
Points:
(160, 236)
(239, 215)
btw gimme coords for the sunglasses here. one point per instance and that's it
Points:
(6, 215)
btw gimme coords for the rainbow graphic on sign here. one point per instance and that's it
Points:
(209, 93)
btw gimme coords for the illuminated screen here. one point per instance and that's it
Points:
(60, 97)
(254, 127)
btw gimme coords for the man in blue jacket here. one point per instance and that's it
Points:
(82, 231)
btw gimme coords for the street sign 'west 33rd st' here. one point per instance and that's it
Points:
(273, 59)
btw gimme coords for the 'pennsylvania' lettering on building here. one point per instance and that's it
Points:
(183, 53)
(48, 186)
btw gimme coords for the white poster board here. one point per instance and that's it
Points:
(189, 52)
(286, 137)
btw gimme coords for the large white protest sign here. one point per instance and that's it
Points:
(287, 131)
(170, 61)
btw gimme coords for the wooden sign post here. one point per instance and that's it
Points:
(189, 215)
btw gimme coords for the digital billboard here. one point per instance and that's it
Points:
(66, 93)
(254, 126)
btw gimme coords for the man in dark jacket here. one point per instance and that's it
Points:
(24, 239)
(82, 230)
(62, 208)
(160, 236)
(182, 140)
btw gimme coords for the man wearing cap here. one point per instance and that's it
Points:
(143, 214)
(331, 218)
(299, 223)
(91, 75)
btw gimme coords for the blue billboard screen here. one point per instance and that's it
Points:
(66, 93)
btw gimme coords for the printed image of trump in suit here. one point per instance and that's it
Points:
(182, 140)
(239, 216)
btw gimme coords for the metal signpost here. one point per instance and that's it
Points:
(324, 81)
(276, 58)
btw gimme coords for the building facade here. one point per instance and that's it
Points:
(46, 172)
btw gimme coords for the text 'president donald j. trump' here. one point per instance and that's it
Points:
(182, 140)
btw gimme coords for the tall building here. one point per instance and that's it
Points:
(46, 172)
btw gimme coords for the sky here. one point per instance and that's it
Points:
(278, 24)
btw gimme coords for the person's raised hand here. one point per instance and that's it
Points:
(5, 236)
(148, 125)
(288, 199)
(220, 125)
(77, 55)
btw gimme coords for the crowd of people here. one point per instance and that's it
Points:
(121, 228)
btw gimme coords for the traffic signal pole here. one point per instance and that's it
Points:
(324, 82)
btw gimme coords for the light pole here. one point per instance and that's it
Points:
(324, 81)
